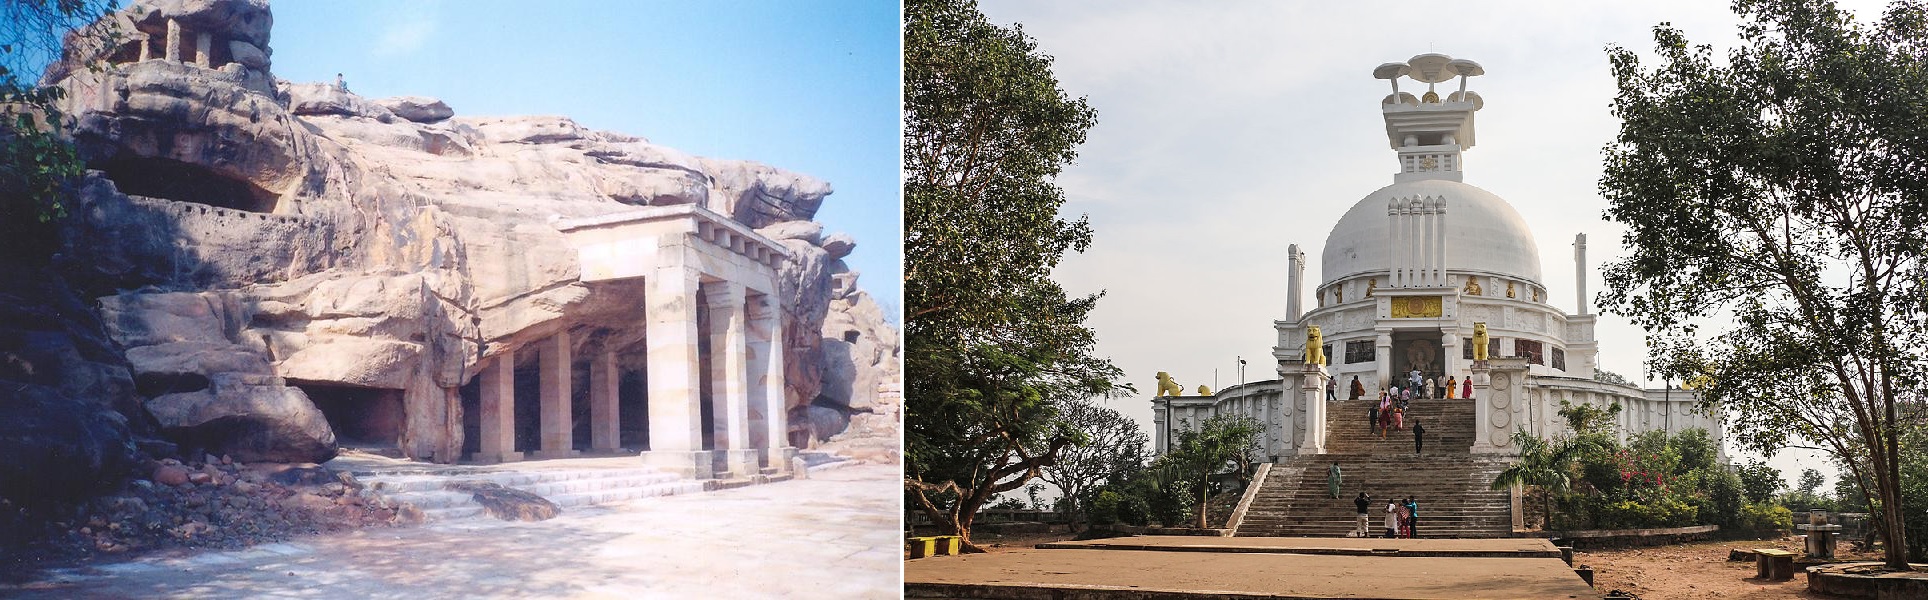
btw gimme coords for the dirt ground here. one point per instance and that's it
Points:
(1697, 570)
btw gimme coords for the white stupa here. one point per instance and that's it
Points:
(1407, 273)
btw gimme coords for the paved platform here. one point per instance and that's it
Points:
(1094, 574)
(1464, 548)
(835, 535)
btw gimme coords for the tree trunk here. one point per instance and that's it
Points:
(1204, 497)
(1894, 533)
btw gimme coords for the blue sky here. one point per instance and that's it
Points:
(809, 87)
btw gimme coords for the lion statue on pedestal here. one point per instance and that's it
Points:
(1314, 346)
(1167, 387)
(1479, 341)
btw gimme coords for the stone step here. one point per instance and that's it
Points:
(427, 490)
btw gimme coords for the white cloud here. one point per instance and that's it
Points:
(405, 29)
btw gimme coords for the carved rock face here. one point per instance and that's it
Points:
(274, 235)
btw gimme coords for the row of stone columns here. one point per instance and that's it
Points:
(747, 367)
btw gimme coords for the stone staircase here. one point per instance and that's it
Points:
(426, 488)
(1451, 485)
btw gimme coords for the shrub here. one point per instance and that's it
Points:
(1766, 517)
(1104, 510)
(1662, 512)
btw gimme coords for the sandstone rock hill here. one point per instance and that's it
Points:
(264, 253)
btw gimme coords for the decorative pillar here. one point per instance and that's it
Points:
(497, 413)
(1499, 396)
(1312, 402)
(1159, 409)
(558, 422)
(1449, 353)
(1294, 283)
(605, 381)
(1482, 408)
(203, 49)
(173, 49)
(1382, 355)
(675, 418)
(730, 376)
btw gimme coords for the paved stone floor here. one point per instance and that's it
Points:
(835, 535)
(1127, 574)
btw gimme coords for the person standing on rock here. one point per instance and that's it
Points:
(1360, 531)
(1358, 389)
(1419, 437)
(1332, 479)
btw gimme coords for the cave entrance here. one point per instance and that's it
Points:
(168, 179)
(363, 418)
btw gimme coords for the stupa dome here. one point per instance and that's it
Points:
(1483, 234)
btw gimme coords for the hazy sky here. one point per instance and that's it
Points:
(810, 87)
(1228, 130)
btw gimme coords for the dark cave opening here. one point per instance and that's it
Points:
(185, 182)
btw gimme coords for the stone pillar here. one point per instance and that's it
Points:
(1382, 356)
(1160, 407)
(203, 49)
(498, 410)
(173, 49)
(1313, 404)
(1449, 353)
(675, 418)
(1580, 272)
(605, 381)
(1482, 411)
(1499, 394)
(557, 421)
(1294, 283)
(146, 54)
(730, 377)
(774, 396)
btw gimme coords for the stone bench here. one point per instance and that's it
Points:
(936, 545)
(1773, 565)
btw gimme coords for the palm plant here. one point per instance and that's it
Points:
(1544, 464)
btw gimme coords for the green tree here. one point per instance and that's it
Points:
(996, 353)
(1113, 450)
(1759, 482)
(1221, 442)
(1783, 188)
(39, 168)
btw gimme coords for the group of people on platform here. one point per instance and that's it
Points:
(1418, 387)
(1402, 517)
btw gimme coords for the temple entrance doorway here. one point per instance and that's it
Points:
(1422, 350)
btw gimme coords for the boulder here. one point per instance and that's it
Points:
(252, 423)
(839, 245)
(419, 109)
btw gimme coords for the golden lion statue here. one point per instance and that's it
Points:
(1167, 387)
(1204, 391)
(1479, 341)
(1314, 346)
